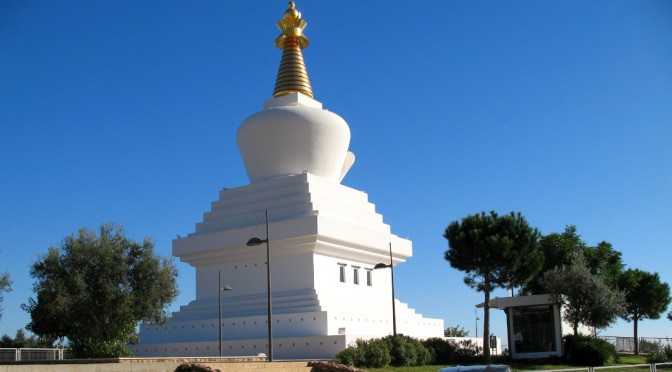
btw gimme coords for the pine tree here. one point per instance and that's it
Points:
(646, 297)
(495, 252)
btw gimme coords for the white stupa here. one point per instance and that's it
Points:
(324, 240)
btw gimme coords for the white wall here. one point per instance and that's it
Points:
(315, 227)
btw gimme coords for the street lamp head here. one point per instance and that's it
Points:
(381, 266)
(227, 288)
(256, 241)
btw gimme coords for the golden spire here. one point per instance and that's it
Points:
(292, 74)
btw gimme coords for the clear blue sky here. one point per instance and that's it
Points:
(126, 111)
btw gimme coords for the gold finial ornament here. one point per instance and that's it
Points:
(292, 74)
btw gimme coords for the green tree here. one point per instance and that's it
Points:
(456, 331)
(5, 286)
(6, 341)
(559, 250)
(646, 297)
(494, 251)
(20, 338)
(95, 288)
(605, 262)
(586, 298)
(21, 341)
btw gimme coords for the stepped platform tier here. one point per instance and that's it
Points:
(325, 239)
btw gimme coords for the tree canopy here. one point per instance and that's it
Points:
(5, 286)
(493, 251)
(560, 249)
(646, 297)
(456, 331)
(586, 298)
(605, 262)
(95, 288)
(21, 341)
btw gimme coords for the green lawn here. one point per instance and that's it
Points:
(624, 360)
(632, 359)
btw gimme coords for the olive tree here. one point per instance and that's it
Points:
(94, 289)
(586, 298)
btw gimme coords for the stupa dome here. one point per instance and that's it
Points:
(293, 134)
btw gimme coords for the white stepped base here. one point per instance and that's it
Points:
(308, 335)
(325, 240)
(314, 347)
(308, 324)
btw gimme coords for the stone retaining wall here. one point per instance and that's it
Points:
(247, 364)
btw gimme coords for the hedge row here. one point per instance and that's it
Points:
(404, 351)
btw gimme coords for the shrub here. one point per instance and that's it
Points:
(587, 350)
(365, 353)
(407, 351)
(646, 346)
(467, 352)
(376, 354)
(400, 351)
(423, 355)
(659, 354)
(656, 357)
(101, 349)
(441, 351)
(351, 356)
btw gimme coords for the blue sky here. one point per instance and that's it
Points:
(127, 111)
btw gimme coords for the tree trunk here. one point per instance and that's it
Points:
(634, 321)
(576, 329)
(486, 323)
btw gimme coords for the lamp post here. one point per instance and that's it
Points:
(394, 313)
(221, 289)
(254, 242)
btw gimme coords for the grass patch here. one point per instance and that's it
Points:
(631, 359)
(525, 365)
(542, 367)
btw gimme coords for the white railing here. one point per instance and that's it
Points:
(646, 344)
(628, 368)
(662, 366)
(9, 355)
(29, 354)
(586, 369)
(654, 367)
